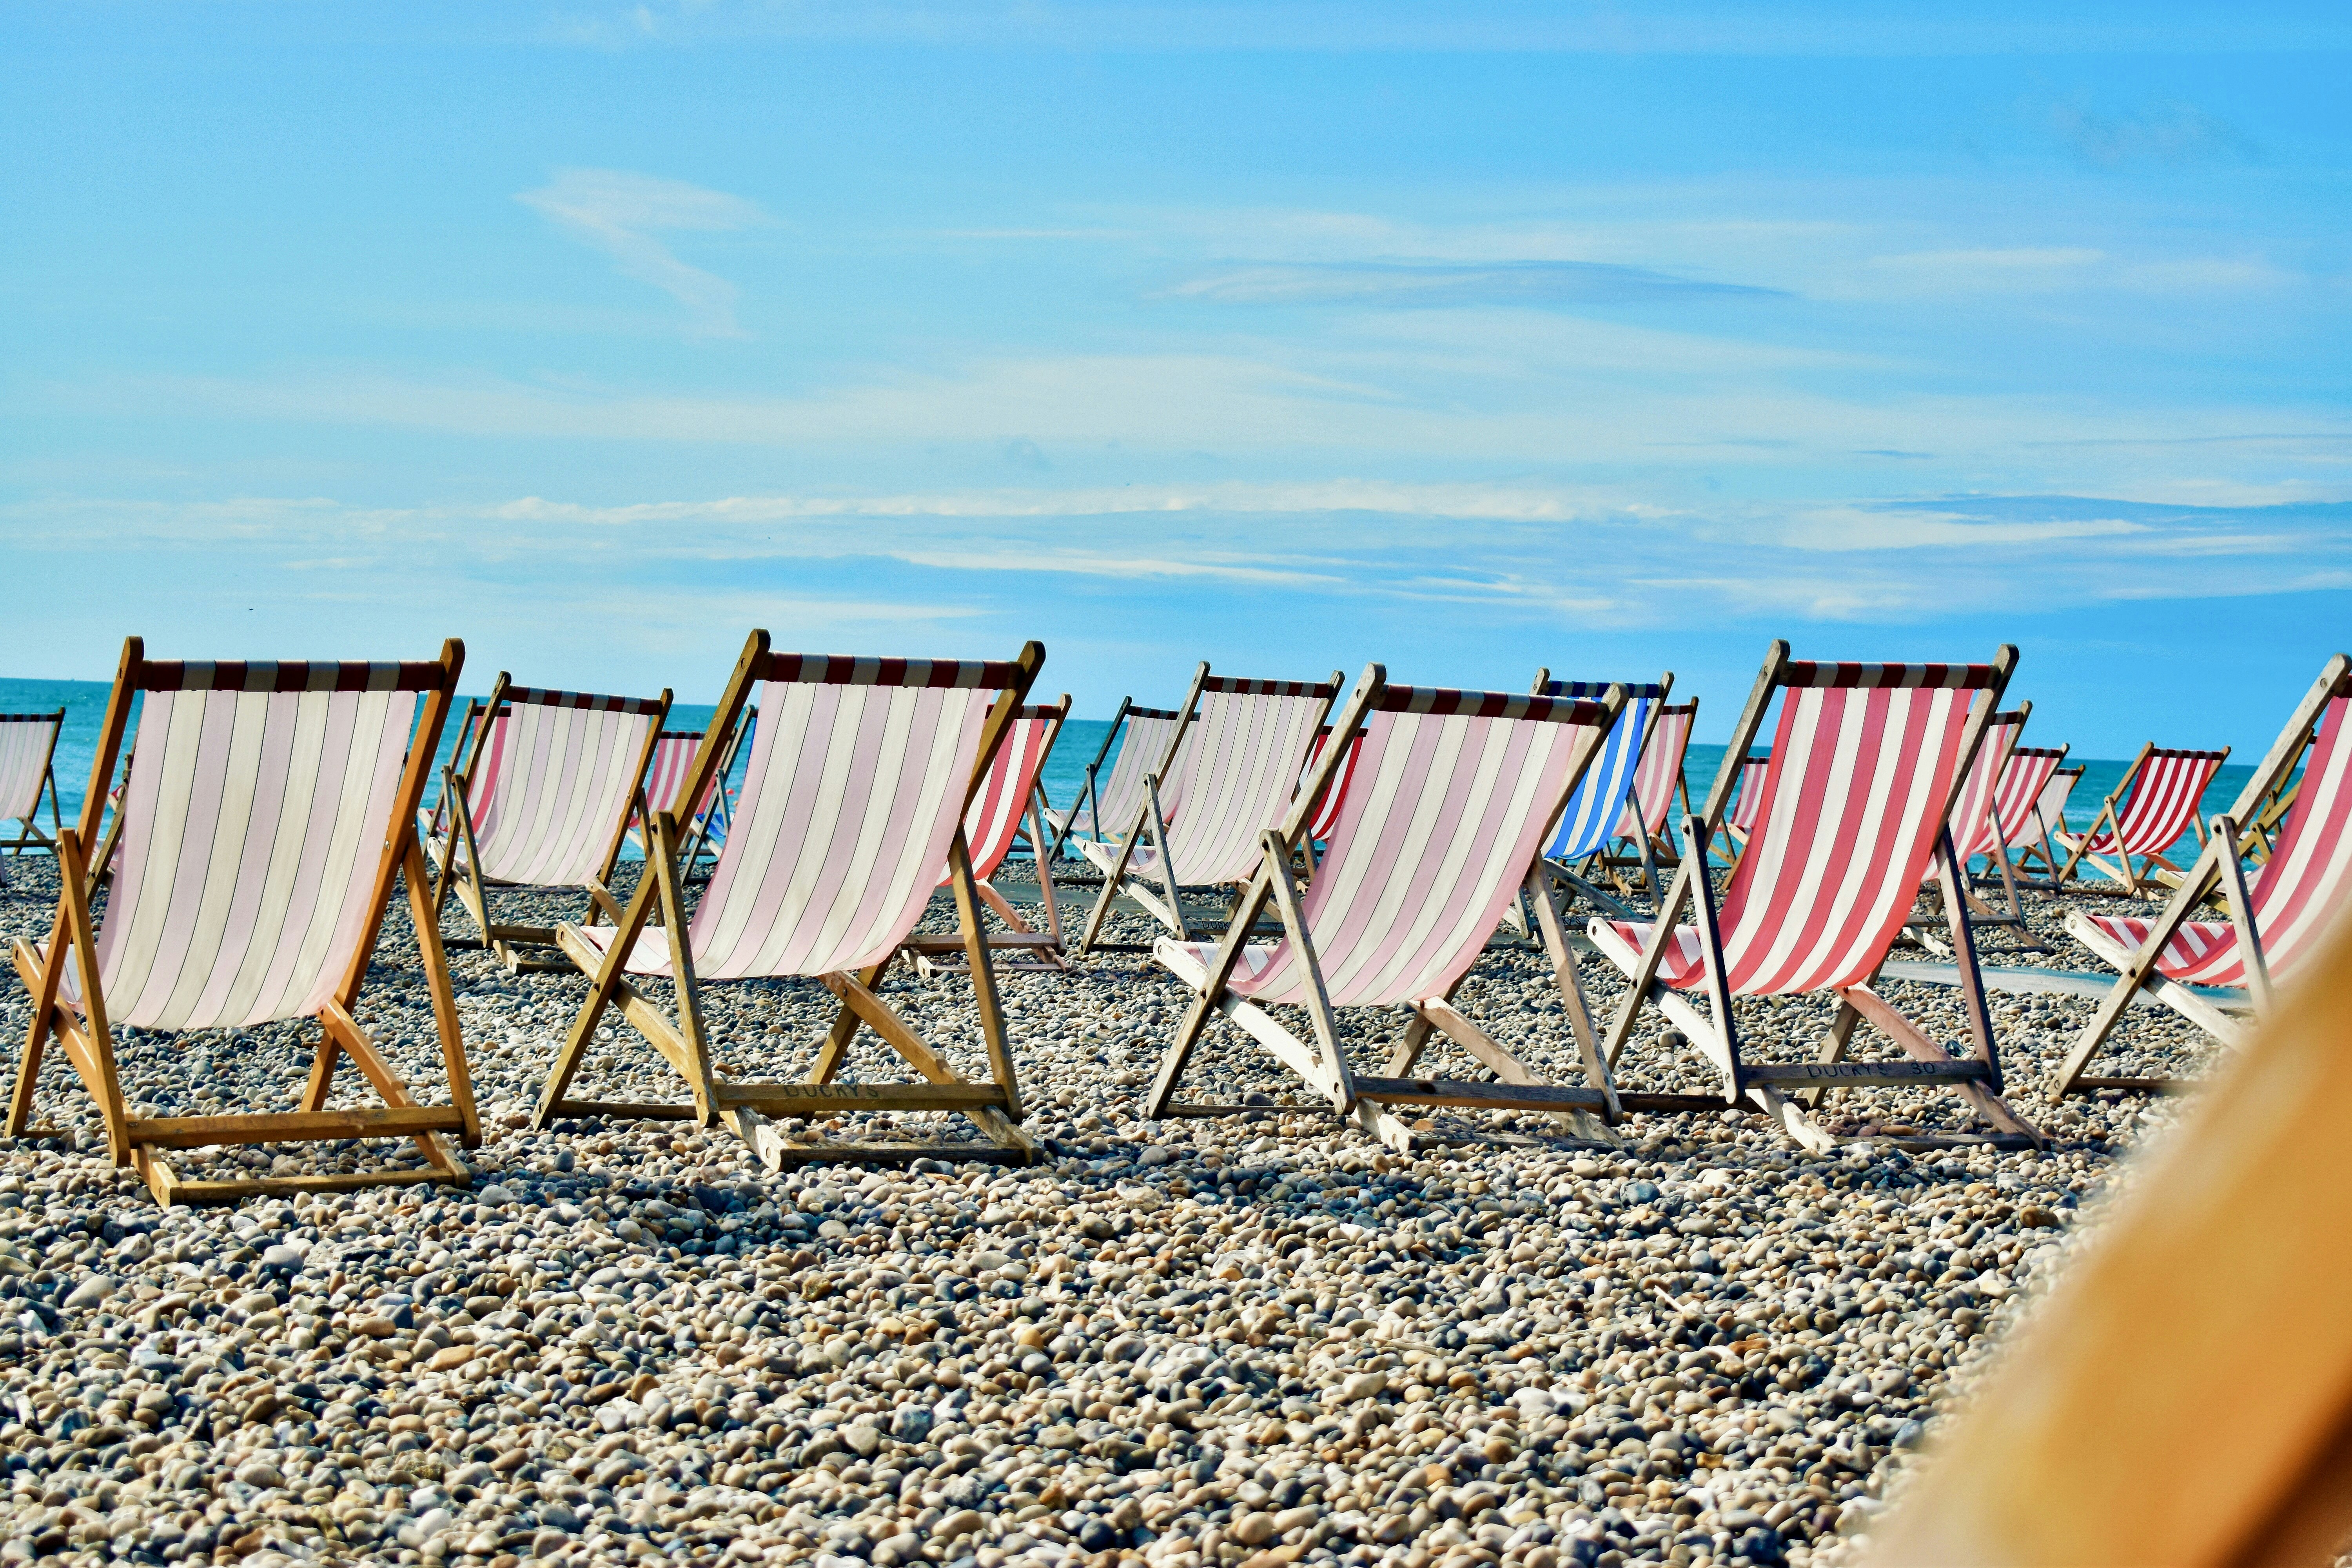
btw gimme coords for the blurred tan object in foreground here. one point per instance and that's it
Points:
(2185, 1396)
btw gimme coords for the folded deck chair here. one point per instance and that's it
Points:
(270, 809)
(2143, 818)
(1590, 819)
(1975, 831)
(853, 796)
(1229, 772)
(1454, 795)
(1009, 806)
(2273, 924)
(1141, 735)
(542, 799)
(1866, 763)
(28, 748)
(2049, 824)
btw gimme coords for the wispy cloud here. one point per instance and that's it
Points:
(2160, 134)
(621, 213)
(1429, 283)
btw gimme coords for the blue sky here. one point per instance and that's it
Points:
(1467, 338)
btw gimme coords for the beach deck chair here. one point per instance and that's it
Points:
(1326, 809)
(2143, 819)
(542, 798)
(1740, 822)
(1142, 735)
(1866, 763)
(2272, 925)
(1009, 808)
(2016, 818)
(1643, 837)
(1229, 772)
(1976, 832)
(1454, 795)
(1588, 821)
(270, 808)
(853, 796)
(705, 826)
(28, 750)
(2049, 824)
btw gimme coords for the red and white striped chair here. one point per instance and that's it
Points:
(1975, 831)
(1231, 771)
(1740, 822)
(1645, 825)
(542, 798)
(270, 807)
(2274, 923)
(853, 796)
(1443, 828)
(1142, 736)
(706, 825)
(1326, 809)
(2144, 818)
(29, 746)
(2049, 824)
(1008, 808)
(1866, 763)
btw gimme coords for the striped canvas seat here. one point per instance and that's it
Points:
(1452, 798)
(28, 740)
(855, 785)
(2296, 892)
(1590, 819)
(665, 775)
(1846, 812)
(1235, 769)
(673, 760)
(993, 819)
(552, 782)
(1748, 803)
(1659, 770)
(1105, 808)
(253, 827)
(268, 812)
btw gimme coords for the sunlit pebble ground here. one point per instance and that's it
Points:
(1190, 1343)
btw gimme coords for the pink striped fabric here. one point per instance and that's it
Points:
(993, 819)
(259, 803)
(1233, 775)
(2297, 892)
(852, 795)
(1972, 821)
(2023, 783)
(673, 760)
(1447, 809)
(2164, 798)
(1848, 810)
(1660, 769)
(1140, 749)
(1750, 800)
(1327, 810)
(555, 780)
(25, 740)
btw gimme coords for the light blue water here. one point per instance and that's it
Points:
(85, 705)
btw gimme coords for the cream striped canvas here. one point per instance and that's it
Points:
(554, 782)
(1235, 772)
(25, 740)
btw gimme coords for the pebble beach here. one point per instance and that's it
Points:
(1249, 1340)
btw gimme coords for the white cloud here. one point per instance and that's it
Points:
(620, 213)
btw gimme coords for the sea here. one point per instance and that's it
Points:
(1081, 740)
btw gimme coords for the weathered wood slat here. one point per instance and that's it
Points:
(1488, 1096)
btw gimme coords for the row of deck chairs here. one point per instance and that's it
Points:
(267, 813)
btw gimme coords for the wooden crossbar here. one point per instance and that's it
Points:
(1479, 1096)
(299, 1126)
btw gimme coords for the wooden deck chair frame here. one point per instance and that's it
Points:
(28, 831)
(2218, 868)
(1361, 1099)
(1034, 951)
(1785, 1092)
(474, 889)
(1149, 823)
(140, 1142)
(2128, 880)
(680, 1037)
(1579, 877)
